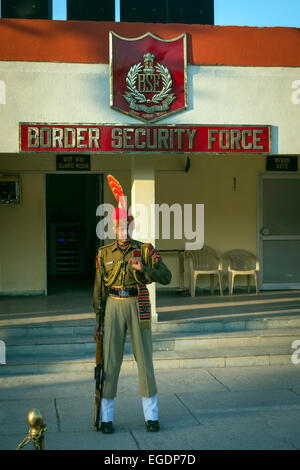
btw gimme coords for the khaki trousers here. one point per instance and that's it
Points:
(122, 315)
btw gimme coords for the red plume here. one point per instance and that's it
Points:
(117, 191)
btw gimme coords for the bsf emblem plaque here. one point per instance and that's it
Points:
(148, 76)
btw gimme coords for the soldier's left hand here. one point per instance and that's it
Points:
(136, 263)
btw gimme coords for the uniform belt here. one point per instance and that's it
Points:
(123, 292)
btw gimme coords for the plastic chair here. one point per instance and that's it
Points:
(204, 261)
(241, 263)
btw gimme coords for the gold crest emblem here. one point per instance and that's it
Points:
(149, 87)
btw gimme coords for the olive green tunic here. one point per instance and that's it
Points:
(113, 269)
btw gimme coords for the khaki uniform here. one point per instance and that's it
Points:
(131, 314)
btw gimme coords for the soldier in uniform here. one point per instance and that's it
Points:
(123, 270)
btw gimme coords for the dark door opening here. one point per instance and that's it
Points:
(71, 203)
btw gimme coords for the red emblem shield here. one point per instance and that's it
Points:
(148, 76)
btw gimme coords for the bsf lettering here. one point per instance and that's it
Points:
(148, 83)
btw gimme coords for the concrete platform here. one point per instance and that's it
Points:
(71, 301)
(233, 408)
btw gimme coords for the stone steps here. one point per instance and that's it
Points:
(25, 355)
(85, 324)
(73, 344)
(227, 357)
(55, 341)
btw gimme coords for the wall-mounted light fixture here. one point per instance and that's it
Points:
(10, 190)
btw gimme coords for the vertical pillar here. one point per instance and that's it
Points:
(142, 203)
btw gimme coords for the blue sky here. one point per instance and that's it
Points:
(258, 12)
(234, 12)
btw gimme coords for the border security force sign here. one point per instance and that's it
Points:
(148, 76)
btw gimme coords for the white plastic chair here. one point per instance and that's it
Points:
(241, 263)
(204, 261)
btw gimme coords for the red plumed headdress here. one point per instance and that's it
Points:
(120, 213)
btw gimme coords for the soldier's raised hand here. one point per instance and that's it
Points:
(136, 263)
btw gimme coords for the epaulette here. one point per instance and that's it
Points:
(150, 253)
(108, 244)
(100, 249)
(103, 247)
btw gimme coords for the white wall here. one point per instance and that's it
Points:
(79, 93)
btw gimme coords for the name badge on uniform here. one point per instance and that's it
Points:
(109, 262)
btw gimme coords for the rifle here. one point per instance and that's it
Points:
(98, 372)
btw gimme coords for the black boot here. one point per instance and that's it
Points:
(107, 427)
(152, 426)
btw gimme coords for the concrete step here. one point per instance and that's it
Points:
(83, 324)
(65, 354)
(206, 358)
(81, 344)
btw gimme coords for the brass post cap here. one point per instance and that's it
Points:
(35, 418)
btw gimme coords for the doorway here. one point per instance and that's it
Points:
(279, 231)
(72, 244)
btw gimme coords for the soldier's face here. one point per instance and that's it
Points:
(122, 231)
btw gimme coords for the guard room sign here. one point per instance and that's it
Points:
(93, 138)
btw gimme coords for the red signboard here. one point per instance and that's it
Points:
(148, 76)
(94, 138)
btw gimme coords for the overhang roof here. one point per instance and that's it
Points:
(87, 42)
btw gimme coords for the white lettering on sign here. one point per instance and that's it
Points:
(235, 139)
(152, 139)
(63, 138)
(38, 137)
